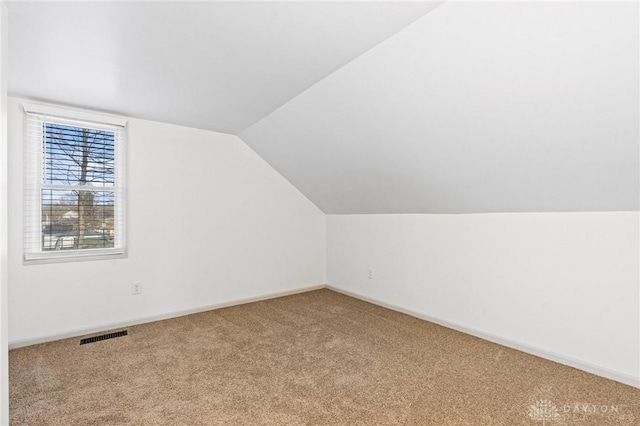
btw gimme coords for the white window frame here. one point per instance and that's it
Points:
(35, 116)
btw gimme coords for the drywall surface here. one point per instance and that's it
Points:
(209, 222)
(477, 107)
(216, 65)
(4, 282)
(565, 284)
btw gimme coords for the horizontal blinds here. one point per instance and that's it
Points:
(73, 187)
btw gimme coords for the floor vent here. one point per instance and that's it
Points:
(103, 337)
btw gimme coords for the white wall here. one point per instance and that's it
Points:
(4, 282)
(562, 285)
(209, 223)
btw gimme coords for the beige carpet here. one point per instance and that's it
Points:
(314, 358)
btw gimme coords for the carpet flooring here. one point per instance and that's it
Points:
(315, 358)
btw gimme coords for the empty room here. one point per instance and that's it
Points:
(320, 213)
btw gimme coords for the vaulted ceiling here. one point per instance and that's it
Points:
(214, 65)
(370, 107)
(476, 107)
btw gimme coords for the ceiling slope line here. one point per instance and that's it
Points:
(437, 3)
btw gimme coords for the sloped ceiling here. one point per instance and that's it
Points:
(214, 65)
(476, 107)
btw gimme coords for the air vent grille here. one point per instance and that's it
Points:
(103, 337)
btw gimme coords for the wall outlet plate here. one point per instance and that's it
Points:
(136, 287)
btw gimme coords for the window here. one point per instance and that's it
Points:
(74, 185)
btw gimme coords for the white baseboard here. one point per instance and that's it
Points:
(561, 359)
(143, 320)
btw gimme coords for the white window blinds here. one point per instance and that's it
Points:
(74, 185)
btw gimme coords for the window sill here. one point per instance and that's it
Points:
(73, 256)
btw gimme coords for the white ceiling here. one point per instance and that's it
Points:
(214, 65)
(476, 107)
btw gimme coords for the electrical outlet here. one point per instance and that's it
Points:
(136, 287)
(370, 273)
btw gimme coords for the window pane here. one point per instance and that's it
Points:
(76, 220)
(78, 156)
